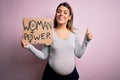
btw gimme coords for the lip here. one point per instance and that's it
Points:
(61, 18)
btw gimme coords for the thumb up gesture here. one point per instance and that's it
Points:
(89, 34)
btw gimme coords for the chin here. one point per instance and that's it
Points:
(61, 22)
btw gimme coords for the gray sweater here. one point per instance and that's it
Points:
(62, 52)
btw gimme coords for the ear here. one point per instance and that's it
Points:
(69, 17)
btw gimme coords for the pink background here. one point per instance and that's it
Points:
(101, 60)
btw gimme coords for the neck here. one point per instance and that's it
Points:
(62, 27)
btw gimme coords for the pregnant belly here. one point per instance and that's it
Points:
(62, 66)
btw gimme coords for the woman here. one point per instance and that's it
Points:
(61, 64)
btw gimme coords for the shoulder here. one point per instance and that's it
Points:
(53, 31)
(75, 33)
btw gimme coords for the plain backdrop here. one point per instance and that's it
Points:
(101, 60)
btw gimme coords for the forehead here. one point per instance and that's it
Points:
(63, 8)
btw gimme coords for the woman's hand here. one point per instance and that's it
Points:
(24, 43)
(89, 35)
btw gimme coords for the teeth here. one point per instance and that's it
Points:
(61, 18)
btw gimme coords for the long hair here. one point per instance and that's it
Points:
(70, 22)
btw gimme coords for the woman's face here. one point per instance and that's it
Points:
(62, 15)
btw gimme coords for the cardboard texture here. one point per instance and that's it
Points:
(38, 30)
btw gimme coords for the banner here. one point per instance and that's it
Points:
(38, 30)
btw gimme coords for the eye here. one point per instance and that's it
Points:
(59, 11)
(66, 12)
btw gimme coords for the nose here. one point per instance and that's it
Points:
(61, 13)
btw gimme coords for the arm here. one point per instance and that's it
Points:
(43, 54)
(80, 49)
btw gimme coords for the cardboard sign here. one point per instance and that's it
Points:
(38, 30)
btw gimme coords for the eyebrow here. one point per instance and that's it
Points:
(63, 10)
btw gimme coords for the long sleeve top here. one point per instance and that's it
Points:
(62, 52)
